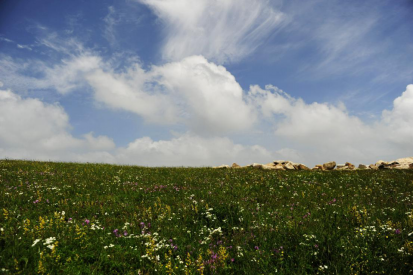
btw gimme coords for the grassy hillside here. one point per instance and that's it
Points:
(65, 218)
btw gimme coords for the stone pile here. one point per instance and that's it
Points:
(402, 163)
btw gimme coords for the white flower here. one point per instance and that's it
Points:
(105, 247)
(35, 242)
(111, 245)
(49, 240)
(51, 246)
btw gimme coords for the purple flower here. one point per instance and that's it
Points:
(256, 248)
(316, 245)
(125, 233)
(87, 221)
(398, 231)
(232, 260)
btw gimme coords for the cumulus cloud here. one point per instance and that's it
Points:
(324, 131)
(191, 150)
(30, 128)
(219, 30)
(200, 94)
(399, 120)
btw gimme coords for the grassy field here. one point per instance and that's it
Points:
(66, 218)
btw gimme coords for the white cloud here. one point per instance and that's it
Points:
(110, 23)
(399, 121)
(190, 150)
(198, 93)
(65, 76)
(30, 128)
(219, 30)
(69, 75)
(323, 131)
(24, 47)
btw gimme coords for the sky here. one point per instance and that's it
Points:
(207, 82)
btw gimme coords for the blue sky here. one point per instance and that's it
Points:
(199, 83)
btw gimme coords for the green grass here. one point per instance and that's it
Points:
(203, 220)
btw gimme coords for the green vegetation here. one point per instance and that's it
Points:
(66, 218)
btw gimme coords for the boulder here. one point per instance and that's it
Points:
(350, 166)
(363, 167)
(387, 165)
(257, 166)
(373, 167)
(303, 167)
(279, 167)
(279, 162)
(343, 168)
(403, 163)
(329, 165)
(318, 167)
(378, 163)
(339, 166)
(235, 166)
(289, 166)
(411, 166)
(271, 164)
(265, 167)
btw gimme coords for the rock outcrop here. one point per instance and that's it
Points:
(401, 163)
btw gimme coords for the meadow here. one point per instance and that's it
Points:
(68, 218)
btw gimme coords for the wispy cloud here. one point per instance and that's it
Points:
(222, 31)
(110, 23)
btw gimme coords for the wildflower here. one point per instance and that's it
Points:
(397, 231)
(125, 233)
(316, 245)
(49, 240)
(35, 242)
(87, 221)
(256, 248)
